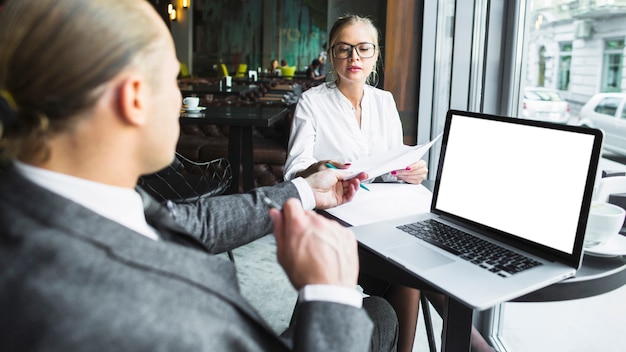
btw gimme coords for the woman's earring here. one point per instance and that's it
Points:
(373, 79)
(331, 77)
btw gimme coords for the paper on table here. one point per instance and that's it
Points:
(394, 159)
(385, 201)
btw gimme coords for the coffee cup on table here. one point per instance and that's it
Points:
(191, 103)
(228, 81)
(605, 221)
(619, 199)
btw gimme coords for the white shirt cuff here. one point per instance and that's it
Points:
(331, 293)
(306, 193)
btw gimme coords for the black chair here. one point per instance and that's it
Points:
(187, 181)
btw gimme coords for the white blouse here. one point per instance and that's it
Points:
(324, 127)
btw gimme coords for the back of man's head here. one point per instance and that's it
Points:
(56, 56)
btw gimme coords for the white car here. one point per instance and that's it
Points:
(606, 111)
(545, 104)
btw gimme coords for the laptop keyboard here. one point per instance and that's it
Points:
(489, 256)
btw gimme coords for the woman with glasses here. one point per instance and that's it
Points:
(347, 119)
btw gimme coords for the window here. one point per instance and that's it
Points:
(565, 62)
(586, 40)
(612, 65)
(541, 74)
(608, 106)
(571, 48)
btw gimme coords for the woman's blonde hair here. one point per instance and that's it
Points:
(349, 20)
(56, 56)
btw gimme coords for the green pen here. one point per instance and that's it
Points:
(360, 184)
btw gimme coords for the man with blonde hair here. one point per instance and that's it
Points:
(88, 103)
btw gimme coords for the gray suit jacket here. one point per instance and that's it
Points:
(72, 280)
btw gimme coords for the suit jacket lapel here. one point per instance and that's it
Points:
(195, 266)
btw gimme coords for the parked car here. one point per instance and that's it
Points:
(545, 105)
(606, 111)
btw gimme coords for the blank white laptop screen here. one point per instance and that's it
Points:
(524, 180)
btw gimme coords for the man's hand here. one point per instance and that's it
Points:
(319, 166)
(312, 249)
(331, 190)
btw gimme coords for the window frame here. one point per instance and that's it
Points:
(564, 73)
(608, 54)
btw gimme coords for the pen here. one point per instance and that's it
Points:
(270, 203)
(360, 184)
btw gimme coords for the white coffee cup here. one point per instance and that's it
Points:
(605, 221)
(228, 81)
(252, 75)
(191, 103)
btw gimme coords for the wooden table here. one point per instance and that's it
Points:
(241, 120)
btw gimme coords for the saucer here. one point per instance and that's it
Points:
(614, 247)
(199, 108)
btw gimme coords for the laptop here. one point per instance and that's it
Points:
(514, 193)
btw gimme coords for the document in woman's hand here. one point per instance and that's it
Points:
(394, 159)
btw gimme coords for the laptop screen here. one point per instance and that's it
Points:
(529, 180)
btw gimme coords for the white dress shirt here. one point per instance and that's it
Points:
(324, 127)
(122, 205)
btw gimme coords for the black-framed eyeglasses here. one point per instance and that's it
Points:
(344, 51)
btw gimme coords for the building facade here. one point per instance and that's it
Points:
(576, 47)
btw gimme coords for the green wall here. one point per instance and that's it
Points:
(234, 32)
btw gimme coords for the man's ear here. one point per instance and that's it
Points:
(132, 97)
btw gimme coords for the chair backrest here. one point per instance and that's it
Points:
(224, 70)
(184, 72)
(187, 181)
(242, 70)
(287, 72)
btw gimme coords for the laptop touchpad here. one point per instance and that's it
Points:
(418, 256)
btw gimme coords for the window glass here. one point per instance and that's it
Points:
(565, 63)
(612, 67)
(607, 106)
(574, 49)
(549, 60)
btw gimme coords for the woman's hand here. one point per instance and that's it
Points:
(414, 173)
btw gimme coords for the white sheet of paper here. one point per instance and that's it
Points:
(385, 201)
(394, 159)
